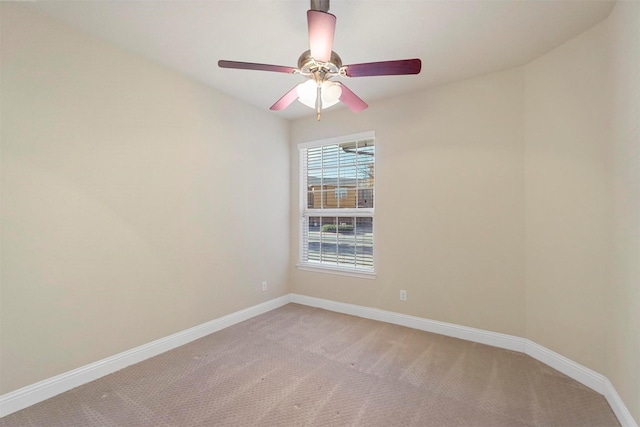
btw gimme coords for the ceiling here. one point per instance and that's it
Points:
(455, 39)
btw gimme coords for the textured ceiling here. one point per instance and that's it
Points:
(455, 39)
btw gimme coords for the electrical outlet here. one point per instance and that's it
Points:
(264, 285)
(403, 295)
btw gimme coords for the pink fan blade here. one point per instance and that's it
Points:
(322, 27)
(385, 68)
(286, 100)
(352, 100)
(253, 66)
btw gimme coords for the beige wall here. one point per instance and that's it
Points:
(623, 337)
(135, 203)
(582, 109)
(568, 201)
(449, 204)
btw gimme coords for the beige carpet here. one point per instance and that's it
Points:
(298, 366)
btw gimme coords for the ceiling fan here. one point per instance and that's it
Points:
(321, 65)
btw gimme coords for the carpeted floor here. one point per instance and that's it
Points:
(301, 366)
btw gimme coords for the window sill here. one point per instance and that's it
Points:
(337, 270)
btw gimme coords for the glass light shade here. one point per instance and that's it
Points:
(330, 93)
(307, 93)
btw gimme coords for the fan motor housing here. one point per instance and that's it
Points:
(308, 65)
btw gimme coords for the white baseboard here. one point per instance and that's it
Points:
(618, 406)
(449, 329)
(34, 393)
(582, 374)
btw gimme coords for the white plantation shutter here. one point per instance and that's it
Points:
(337, 203)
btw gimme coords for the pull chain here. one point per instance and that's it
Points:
(319, 101)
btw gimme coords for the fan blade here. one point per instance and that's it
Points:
(253, 66)
(286, 100)
(322, 27)
(352, 100)
(384, 68)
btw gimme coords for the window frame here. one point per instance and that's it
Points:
(305, 212)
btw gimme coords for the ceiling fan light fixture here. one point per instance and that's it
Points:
(330, 93)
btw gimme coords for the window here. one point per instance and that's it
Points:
(337, 198)
(341, 193)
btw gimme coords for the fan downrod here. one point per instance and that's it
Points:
(321, 5)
